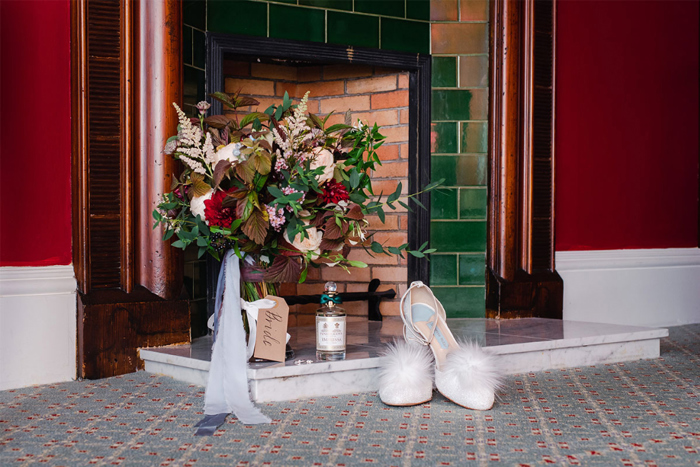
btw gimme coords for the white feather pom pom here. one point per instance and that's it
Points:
(406, 374)
(473, 367)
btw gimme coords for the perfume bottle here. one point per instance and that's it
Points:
(330, 325)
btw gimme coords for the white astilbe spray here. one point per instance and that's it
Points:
(474, 367)
(193, 164)
(189, 135)
(406, 364)
(295, 129)
(208, 150)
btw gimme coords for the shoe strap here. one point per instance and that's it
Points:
(410, 331)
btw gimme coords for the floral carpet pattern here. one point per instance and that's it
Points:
(627, 414)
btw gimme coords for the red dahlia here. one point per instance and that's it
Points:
(334, 192)
(215, 213)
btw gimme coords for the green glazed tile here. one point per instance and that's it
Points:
(451, 105)
(472, 203)
(199, 49)
(443, 137)
(193, 88)
(382, 7)
(443, 203)
(335, 4)
(418, 9)
(462, 302)
(186, 45)
(237, 17)
(458, 236)
(443, 270)
(460, 170)
(472, 269)
(444, 72)
(405, 36)
(301, 24)
(475, 137)
(350, 29)
(194, 13)
(474, 71)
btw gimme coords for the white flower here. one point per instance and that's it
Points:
(197, 204)
(231, 153)
(312, 243)
(323, 158)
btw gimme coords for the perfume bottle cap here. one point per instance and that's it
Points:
(331, 286)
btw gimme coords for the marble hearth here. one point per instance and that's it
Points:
(523, 345)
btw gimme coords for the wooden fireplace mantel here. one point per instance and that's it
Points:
(521, 277)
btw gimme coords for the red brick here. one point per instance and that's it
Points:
(404, 151)
(403, 116)
(388, 152)
(288, 288)
(307, 319)
(265, 102)
(391, 222)
(391, 238)
(314, 274)
(235, 68)
(323, 88)
(390, 274)
(381, 117)
(341, 104)
(398, 134)
(389, 308)
(335, 118)
(403, 222)
(346, 71)
(386, 186)
(291, 88)
(356, 308)
(312, 288)
(252, 87)
(339, 275)
(403, 81)
(393, 170)
(359, 254)
(308, 73)
(268, 70)
(388, 100)
(378, 84)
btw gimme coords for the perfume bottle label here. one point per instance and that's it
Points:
(330, 333)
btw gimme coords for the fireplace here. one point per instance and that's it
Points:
(389, 88)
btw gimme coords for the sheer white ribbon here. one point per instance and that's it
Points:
(227, 387)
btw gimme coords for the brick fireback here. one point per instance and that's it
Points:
(372, 94)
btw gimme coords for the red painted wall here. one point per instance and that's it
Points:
(627, 124)
(35, 139)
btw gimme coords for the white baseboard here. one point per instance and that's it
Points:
(655, 287)
(37, 325)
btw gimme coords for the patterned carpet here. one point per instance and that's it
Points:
(642, 413)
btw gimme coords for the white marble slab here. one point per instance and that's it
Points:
(524, 345)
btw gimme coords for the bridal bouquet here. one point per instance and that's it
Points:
(277, 185)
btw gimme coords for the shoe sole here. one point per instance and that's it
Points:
(466, 407)
(407, 405)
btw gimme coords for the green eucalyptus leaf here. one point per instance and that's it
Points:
(377, 247)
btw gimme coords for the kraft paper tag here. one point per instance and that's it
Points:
(271, 335)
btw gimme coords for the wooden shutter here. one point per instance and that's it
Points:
(102, 162)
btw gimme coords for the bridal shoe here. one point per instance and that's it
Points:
(406, 374)
(464, 374)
